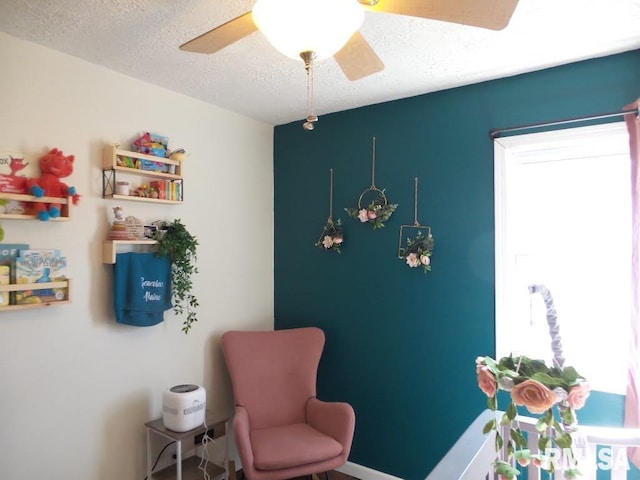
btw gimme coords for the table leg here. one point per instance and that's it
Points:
(178, 459)
(149, 460)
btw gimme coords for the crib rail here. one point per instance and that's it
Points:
(472, 455)
(604, 449)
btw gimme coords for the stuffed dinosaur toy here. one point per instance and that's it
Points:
(54, 165)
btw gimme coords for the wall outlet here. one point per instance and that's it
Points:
(170, 455)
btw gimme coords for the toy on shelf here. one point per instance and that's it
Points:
(119, 229)
(146, 191)
(151, 144)
(54, 165)
(156, 145)
(179, 155)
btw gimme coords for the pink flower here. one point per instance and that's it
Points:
(327, 242)
(534, 395)
(425, 260)
(578, 395)
(412, 260)
(362, 215)
(486, 380)
(338, 240)
(371, 214)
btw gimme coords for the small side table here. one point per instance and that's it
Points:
(187, 469)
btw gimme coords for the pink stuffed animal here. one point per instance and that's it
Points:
(54, 165)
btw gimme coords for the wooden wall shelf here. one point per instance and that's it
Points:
(143, 199)
(65, 213)
(36, 286)
(112, 167)
(110, 247)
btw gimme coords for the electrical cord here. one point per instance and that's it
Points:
(205, 453)
(159, 455)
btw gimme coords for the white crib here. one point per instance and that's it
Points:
(471, 457)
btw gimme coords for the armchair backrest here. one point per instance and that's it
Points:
(274, 373)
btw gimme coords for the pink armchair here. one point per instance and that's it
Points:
(282, 430)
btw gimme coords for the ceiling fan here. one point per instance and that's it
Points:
(316, 29)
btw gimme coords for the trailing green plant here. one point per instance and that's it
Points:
(177, 243)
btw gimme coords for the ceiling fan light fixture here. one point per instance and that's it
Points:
(320, 26)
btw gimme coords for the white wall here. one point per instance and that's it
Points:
(75, 386)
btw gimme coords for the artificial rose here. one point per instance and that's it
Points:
(327, 242)
(578, 395)
(412, 260)
(338, 240)
(486, 380)
(534, 395)
(371, 214)
(362, 215)
(425, 260)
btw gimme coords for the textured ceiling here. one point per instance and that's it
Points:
(141, 38)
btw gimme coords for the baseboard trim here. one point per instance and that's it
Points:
(365, 473)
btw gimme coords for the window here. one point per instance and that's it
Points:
(563, 219)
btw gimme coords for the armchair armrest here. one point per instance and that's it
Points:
(336, 419)
(241, 430)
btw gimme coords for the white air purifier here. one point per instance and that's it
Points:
(184, 407)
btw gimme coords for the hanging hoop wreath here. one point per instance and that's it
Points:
(417, 250)
(332, 235)
(378, 210)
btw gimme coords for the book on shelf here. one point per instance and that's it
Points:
(8, 254)
(14, 173)
(33, 266)
(167, 189)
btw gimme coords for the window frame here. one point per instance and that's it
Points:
(512, 149)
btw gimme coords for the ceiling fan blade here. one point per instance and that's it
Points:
(222, 36)
(491, 14)
(357, 59)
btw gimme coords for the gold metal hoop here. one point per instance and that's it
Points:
(418, 228)
(379, 192)
(416, 224)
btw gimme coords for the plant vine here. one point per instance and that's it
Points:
(180, 246)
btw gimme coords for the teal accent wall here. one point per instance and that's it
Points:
(401, 345)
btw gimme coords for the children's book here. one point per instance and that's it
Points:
(14, 173)
(40, 266)
(8, 254)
